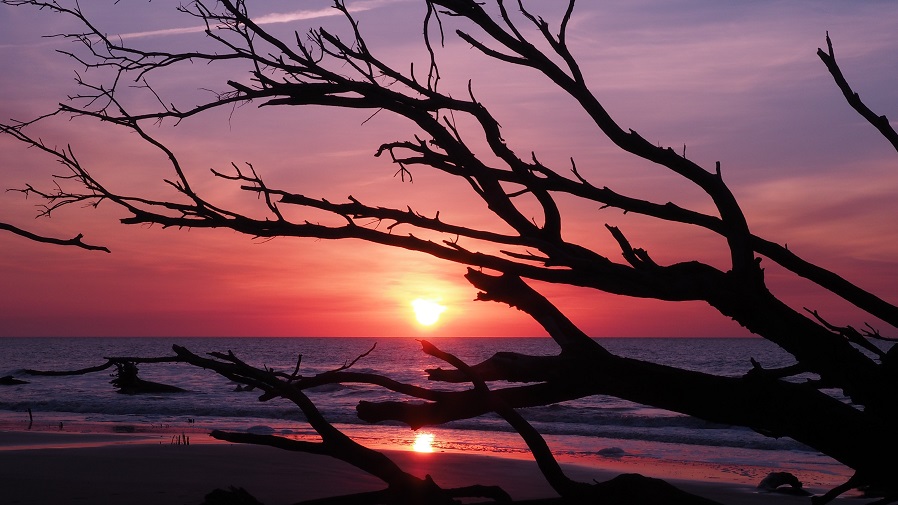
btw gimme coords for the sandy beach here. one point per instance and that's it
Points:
(61, 468)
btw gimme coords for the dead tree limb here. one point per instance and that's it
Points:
(561, 483)
(75, 241)
(402, 487)
(881, 123)
(110, 362)
(630, 489)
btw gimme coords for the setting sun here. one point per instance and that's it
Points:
(427, 312)
(423, 442)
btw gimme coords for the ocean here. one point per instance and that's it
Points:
(587, 431)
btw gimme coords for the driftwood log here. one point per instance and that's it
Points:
(125, 378)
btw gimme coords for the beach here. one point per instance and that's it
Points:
(75, 440)
(78, 468)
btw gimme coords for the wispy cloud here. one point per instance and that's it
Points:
(267, 19)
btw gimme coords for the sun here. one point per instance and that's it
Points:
(423, 442)
(427, 312)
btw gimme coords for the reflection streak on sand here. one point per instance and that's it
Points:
(90, 467)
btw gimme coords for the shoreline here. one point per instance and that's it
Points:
(46, 467)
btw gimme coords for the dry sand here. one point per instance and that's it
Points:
(98, 469)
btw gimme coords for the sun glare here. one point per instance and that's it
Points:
(423, 442)
(427, 312)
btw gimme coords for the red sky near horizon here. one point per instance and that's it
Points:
(739, 84)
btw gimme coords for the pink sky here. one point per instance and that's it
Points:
(739, 83)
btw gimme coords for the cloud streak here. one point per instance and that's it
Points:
(267, 19)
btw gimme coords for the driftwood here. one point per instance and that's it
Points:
(125, 377)
(9, 380)
(402, 487)
(127, 381)
(782, 482)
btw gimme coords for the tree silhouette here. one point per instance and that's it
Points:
(327, 69)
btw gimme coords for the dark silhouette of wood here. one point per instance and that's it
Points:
(75, 241)
(230, 496)
(110, 362)
(402, 487)
(881, 123)
(339, 70)
(632, 488)
(125, 378)
(9, 380)
(127, 382)
(782, 482)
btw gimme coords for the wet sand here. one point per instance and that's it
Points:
(64, 468)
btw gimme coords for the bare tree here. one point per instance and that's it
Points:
(327, 69)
